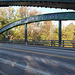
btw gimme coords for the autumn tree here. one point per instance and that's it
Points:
(46, 31)
(21, 13)
(68, 32)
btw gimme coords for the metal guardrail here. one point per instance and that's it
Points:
(64, 43)
(15, 41)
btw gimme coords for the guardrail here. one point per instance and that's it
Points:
(64, 43)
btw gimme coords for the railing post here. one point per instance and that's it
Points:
(51, 42)
(25, 34)
(63, 43)
(59, 33)
(54, 43)
(6, 36)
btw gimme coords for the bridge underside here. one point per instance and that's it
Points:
(64, 5)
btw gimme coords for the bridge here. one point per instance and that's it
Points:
(16, 59)
(44, 17)
(33, 60)
(63, 4)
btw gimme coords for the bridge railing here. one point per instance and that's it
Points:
(14, 41)
(44, 42)
(64, 43)
(68, 43)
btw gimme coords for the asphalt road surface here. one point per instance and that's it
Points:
(33, 60)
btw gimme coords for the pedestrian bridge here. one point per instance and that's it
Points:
(44, 17)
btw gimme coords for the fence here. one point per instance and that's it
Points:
(64, 43)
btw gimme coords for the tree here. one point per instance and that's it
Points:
(68, 32)
(46, 31)
(19, 31)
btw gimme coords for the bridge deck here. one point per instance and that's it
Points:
(66, 4)
(27, 60)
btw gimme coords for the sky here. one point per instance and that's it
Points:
(53, 10)
(48, 10)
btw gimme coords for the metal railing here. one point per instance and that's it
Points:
(64, 43)
(68, 43)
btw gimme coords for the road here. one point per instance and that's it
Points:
(33, 60)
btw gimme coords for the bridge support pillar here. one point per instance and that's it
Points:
(6, 36)
(59, 33)
(25, 34)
